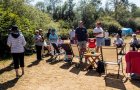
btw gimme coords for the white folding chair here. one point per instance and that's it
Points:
(110, 57)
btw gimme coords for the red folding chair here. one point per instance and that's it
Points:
(91, 43)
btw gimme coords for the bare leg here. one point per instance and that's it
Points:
(17, 74)
(97, 49)
(22, 68)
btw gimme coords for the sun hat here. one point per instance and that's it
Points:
(133, 35)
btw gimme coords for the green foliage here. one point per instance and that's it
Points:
(110, 24)
(129, 23)
(64, 24)
(26, 17)
(137, 21)
(64, 33)
(90, 33)
(89, 15)
(132, 24)
(29, 39)
(137, 12)
(61, 16)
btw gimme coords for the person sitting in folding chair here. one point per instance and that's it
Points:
(68, 52)
(53, 38)
(134, 43)
(119, 43)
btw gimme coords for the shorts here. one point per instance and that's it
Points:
(100, 41)
(119, 45)
(82, 44)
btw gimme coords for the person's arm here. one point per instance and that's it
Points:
(95, 33)
(9, 43)
(76, 34)
(50, 37)
(23, 41)
(36, 39)
(87, 35)
(114, 43)
(131, 41)
(122, 41)
(56, 37)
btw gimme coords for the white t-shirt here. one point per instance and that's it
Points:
(98, 30)
(72, 34)
(118, 41)
(137, 41)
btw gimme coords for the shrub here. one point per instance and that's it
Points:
(137, 21)
(110, 24)
(64, 33)
(90, 33)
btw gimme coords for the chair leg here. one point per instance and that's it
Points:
(106, 69)
(122, 69)
(118, 71)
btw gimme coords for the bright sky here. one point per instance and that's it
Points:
(137, 2)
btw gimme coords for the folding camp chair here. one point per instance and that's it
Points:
(68, 51)
(91, 43)
(57, 51)
(110, 57)
(122, 50)
(76, 52)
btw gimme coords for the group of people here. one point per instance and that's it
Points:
(17, 42)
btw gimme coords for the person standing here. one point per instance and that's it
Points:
(81, 36)
(72, 35)
(99, 34)
(38, 44)
(16, 42)
(42, 36)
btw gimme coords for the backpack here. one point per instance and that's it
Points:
(100, 67)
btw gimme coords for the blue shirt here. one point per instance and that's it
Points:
(53, 38)
(81, 34)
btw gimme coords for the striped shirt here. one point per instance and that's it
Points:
(38, 40)
(16, 44)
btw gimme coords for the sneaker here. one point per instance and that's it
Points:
(67, 60)
(17, 76)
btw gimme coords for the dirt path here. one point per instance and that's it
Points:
(58, 76)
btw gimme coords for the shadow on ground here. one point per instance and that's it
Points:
(34, 63)
(66, 65)
(112, 81)
(92, 72)
(6, 69)
(8, 84)
(136, 83)
(53, 60)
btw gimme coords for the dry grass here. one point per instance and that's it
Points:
(59, 76)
